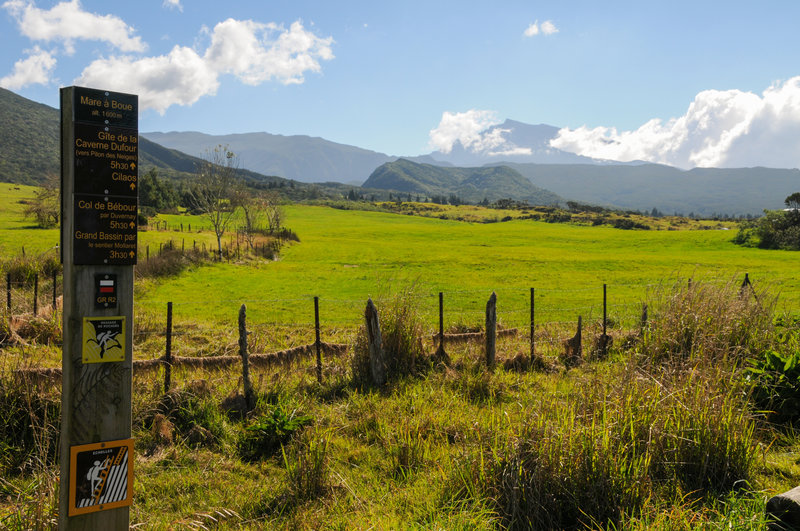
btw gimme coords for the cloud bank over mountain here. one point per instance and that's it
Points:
(724, 129)
(475, 131)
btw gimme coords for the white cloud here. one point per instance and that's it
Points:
(547, 28)
(67, 22)
(465, 128)
(179, 78)
(728, 128)
(252, 51)
(244, 48)
(173, 4)
(35, 69)
(476, 131)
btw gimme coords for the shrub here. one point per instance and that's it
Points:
(775, 377)
(269, 432)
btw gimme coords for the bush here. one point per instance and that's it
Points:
(269, 432)
(23, 268)
(775, 377)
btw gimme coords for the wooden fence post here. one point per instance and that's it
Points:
(36, 294)
(491, 330)
(440, 353)
(573, 348)
(8, 292)
(318, 343)
(168, 353)
(248, 387)
(377, 360)
(533, 327)
(604, 340)
(55, 285)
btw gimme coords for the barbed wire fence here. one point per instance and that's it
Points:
(547, 317)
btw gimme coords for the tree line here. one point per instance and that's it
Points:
(776, 229)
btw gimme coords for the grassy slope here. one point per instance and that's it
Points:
(346, 256)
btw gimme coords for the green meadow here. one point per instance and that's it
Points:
(346, 256)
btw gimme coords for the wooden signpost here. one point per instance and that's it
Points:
(99, 201)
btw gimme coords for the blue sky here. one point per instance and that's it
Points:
(686, 83)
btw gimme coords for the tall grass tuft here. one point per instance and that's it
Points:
(708, 321)
(307, 474)
(23, 268)
(402, 330)
(604, 451)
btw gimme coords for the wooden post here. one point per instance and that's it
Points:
(55, 285)
(604, 341)
(147, 252)
(377, 357)
(533, 328)
(605, 307)
(8, 293)
(97, 357)
(36, 294)
(441, 355)
(491, 330)
(249, 396)
(573, 349)
(168, 352)
(318, 343)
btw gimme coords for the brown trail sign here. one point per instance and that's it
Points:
(99, 201)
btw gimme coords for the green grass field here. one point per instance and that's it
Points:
(346, 256)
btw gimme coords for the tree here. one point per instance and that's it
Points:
(45, 206)
(793, 204)
(217, 191)
(156, 193)
(262, 213)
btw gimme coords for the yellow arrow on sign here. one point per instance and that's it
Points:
(133, 165)
(133, 224)
(133, 254)
(133, 186)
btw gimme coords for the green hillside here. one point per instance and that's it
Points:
(469, 184)
(29, 139)
(29, 146)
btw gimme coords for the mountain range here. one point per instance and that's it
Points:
(529, 168)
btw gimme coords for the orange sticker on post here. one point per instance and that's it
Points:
(100, 476)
